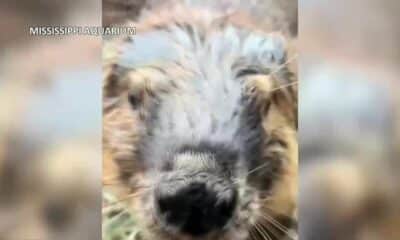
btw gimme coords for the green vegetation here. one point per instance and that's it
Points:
(118, 222)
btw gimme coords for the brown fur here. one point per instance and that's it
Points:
(123, 125)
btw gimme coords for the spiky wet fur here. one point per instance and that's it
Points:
(229, 60)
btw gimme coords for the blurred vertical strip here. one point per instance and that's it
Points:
(349, 119)
(50, 122)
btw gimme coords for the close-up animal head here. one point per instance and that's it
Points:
(200, 117)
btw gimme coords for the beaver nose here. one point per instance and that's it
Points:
(196, 210)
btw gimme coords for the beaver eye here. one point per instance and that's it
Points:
(135, 98)
(245, 72)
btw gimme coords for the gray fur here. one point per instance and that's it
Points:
(208, 104)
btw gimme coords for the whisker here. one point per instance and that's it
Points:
(252, 237)
(284, 86)
(278, 68)
(271, 209)
(253, 234)
(262, 232)
(277, 224)
(270, 230)
(257, 168)
(252, 171)
(258, 233)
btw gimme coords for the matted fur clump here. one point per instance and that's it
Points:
(200, 117)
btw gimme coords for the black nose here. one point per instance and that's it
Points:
(196, 210)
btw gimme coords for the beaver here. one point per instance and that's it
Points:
(200, 117)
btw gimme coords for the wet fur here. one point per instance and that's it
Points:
(229, 56)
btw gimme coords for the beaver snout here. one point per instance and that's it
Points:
(195, 207)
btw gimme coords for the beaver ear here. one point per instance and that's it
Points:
(266, 66)
(261, 54)
(121, 85)
(114, 85)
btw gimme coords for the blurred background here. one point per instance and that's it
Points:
(349, 119)
(50, 123)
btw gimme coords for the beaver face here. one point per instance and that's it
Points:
(201, 118)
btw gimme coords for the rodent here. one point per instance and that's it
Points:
(200, 115)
